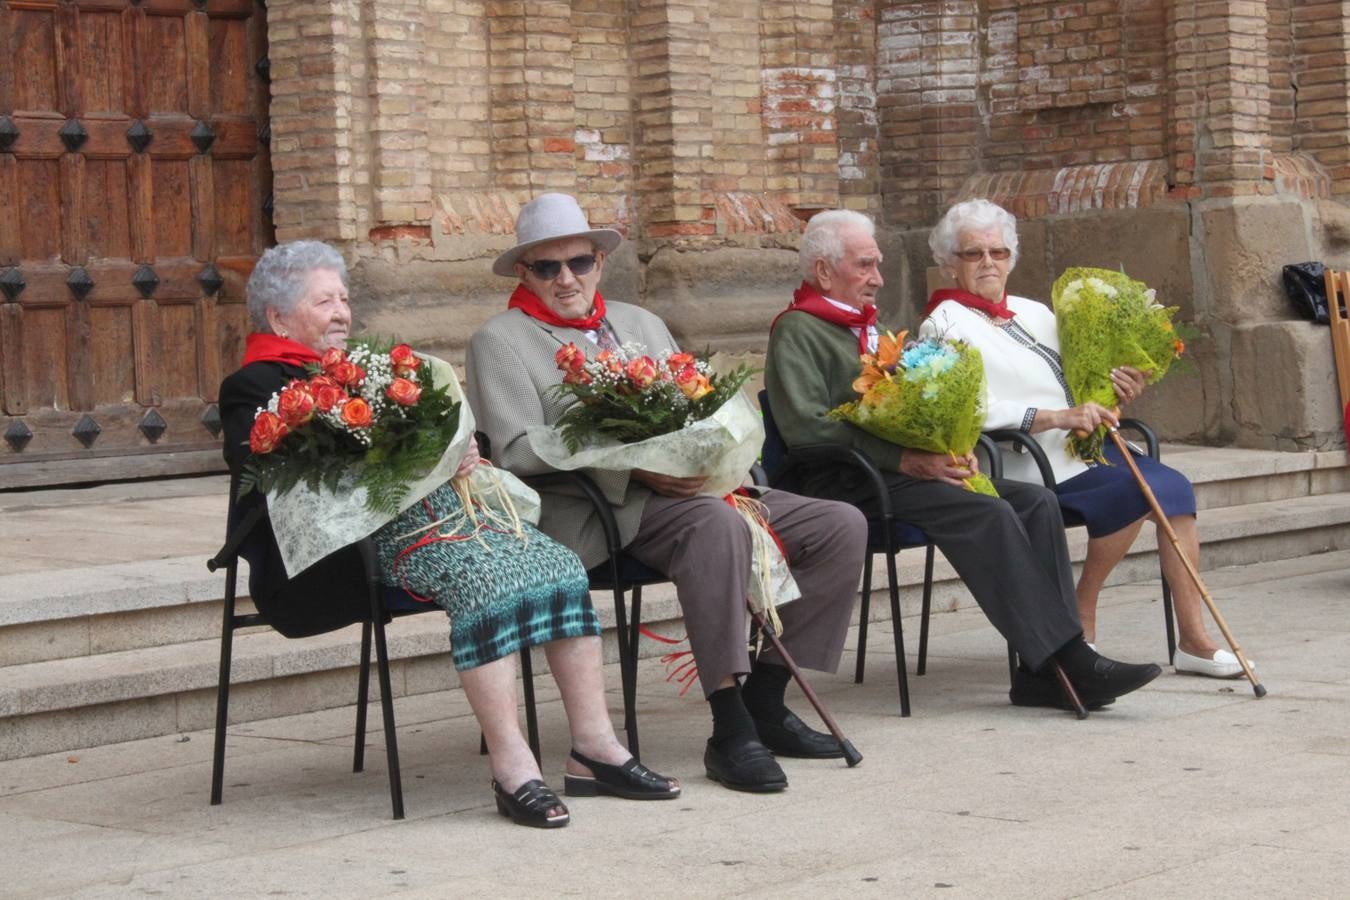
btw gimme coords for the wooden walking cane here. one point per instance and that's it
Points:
(851, 755)
(1257, 687)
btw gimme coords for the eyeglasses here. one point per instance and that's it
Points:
(995, 253)
(549, 269)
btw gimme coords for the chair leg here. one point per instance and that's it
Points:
(223, 696)
(630, 712)
(1170, 621)
(927, 608)
(362, 699)
(863, 616)
(1012, 665)
(387, 709)
(898, 630)
(531, 714)
(625, 653)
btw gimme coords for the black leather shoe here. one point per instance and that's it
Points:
(533, 804)
(793, 737)
(631, 781)
(745, 765)
(1044, 690)
(1107, 679)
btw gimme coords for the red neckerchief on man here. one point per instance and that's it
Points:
(529, 303)
(809, 300)
(259, 347)
(997, 310)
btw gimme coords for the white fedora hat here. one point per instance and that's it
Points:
(550, 217)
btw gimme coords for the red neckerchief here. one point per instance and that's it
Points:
(809, 300)
(273, 348)
(998, 310)
(529, 303)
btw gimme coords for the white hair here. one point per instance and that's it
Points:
(824, 238)
(971, 215)
(279, 279)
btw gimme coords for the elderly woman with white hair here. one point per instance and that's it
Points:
(503, 592)
(976, 246)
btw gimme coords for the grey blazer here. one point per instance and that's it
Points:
(510, 369)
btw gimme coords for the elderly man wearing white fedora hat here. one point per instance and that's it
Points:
(664, 522)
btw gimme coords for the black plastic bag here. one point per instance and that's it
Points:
(1305, 283)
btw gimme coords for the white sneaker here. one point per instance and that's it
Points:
(1223, 665)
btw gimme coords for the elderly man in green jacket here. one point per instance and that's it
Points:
(1009, 550)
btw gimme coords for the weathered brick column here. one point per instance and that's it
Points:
(1321, 36)
(400, 164)
(856, 48)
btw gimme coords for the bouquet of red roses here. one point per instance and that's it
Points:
(370, 413)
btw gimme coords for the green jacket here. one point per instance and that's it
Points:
(809, 371)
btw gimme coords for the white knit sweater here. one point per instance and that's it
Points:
(1022, 374)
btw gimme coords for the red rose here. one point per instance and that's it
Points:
(356, 413)
(570, 358)
(641, 371)
(610, 361)
(692, 383)
(677, 361)
(327, 392)
(404, 359)
(267, 432)
(347, 373)
(295, 404)
(403, 392)
(331, 357)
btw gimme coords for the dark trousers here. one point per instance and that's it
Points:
(703, 545)
(1010, 551)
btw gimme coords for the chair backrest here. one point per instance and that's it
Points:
(775, 451)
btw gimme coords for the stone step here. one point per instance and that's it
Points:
(62, 703)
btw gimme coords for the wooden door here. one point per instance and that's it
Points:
(134, 199)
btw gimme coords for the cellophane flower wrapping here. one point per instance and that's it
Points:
(1105, 320)
(721, 447)
(311, 523)
(928, 395)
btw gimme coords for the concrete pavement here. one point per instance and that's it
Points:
(1189, 788)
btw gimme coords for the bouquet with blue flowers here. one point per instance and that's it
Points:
(926, 394)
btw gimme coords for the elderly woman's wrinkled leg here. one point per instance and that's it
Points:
(1103, 553)
(491, 691)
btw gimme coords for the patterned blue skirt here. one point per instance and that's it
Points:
(502, 593)
(1107, 498)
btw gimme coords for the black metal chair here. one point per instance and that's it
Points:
(1025, 443)
(385, 603)
(885, 534)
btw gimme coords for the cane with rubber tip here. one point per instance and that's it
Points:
(1257, 688)
(851, 755)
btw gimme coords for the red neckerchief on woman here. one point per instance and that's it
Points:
(997, 310)
(529, 303)
(274, 348)
(809, 300)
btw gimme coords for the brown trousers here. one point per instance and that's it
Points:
(703, 545)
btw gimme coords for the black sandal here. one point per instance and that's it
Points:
(533, 804)
(631, 781)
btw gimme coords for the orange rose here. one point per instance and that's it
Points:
(577, 376)
(679, 361)
(331, 357)
(268, 431)
(610, 361)
(347, 373)
(569, 358)
(692, 383)
(295, 404)
(404, 359)
(403, 392)
(641, 371)
(356, 413)
(327, 392)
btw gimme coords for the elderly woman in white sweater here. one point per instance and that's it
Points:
(976, 246)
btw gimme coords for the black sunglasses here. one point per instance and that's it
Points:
(549, 269)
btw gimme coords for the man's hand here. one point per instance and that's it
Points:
(1128, 383)
(470, 460)
(938, 466)
(669, 485)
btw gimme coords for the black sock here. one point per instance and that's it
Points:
(764, 690)
(1076, 657)
(731, 720)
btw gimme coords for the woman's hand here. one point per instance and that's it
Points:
(1083, 418)
(1128, 382)
(938, 466)
(470, 461)
(669, 485)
